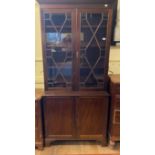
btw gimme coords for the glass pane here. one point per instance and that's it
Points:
(58, 34)
(92, 49)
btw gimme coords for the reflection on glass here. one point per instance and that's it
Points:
(53, 37)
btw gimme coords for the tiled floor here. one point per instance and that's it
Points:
(74, 147)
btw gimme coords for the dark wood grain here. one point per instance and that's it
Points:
(87, 108)
(92, 116)
(58, 116)
(75, 118)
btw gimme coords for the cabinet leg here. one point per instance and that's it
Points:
(40, 147)
(103, 142)
(112, 144)
(48, 143)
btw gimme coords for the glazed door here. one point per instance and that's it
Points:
(75, 47)
(94, 43)
(58, 47)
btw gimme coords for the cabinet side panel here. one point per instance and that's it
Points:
(38, 125)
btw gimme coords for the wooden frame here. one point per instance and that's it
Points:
(75, 11)
(74, 113)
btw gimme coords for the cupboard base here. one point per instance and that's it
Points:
(82, 116)
(100, 139)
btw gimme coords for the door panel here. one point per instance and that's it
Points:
(58, 27)
(93, 47)
(92, 115)
(58, 116)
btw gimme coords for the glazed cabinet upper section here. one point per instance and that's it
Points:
(76, 42)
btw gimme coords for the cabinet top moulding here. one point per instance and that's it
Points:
(76, 1)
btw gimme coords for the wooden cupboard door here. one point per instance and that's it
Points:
(92, 116)
(58, 116)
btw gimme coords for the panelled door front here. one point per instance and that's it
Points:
(92, 116)
(58, 117)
